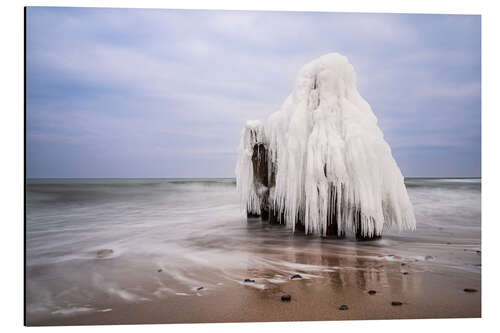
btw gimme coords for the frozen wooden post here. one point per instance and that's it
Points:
(321, 164)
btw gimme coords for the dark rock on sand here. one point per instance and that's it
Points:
(296, 276)
(343, 307)
(160, 270)
(429, 257)
(478, 252)
(104, 253)
(470, 290)
(200, 288)
(396, 303)
(403, 264)
(372, 292)
(249, 281)
(286, 298)
(405, 273)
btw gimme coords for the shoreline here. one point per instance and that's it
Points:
(424, 293)
(168, 240)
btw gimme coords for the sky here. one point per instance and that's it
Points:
(165, 93)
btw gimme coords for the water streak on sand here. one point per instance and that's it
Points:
(171, 237)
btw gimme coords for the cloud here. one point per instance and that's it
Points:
(114, 85)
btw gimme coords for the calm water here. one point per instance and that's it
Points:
(171, 236)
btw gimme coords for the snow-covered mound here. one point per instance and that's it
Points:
(329, 168)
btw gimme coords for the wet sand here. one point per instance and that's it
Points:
(426, 291)
(170, 238)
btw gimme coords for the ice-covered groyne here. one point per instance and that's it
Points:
(320, 163)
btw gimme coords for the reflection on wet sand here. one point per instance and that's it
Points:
(338, 267)
(182, 252)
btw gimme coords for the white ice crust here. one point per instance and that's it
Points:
(252, 134)
(325, 144)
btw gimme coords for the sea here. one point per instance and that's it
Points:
(168, 238)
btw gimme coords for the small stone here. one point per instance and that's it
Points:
(372, 292)
(470, 290)
(429, 257)
(403, 264)
(249, 281)
(286, 298)
(396, 303)
(405, 273)
(199, 288)
(104, 253)
(160, 270)
(478, 252)
(343, 307)
(296, 276)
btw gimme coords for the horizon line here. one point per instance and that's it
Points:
(415, 177)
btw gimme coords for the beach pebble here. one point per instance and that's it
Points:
(470, 290)
(199, 288)
(160, 270)
(429, 257)
(405, 273)
(396, 303)
(343, 307)
(249, 281)
(286, 298)
(403, 264)
(104, 253)
(372, 292)
(296, 276)
(392, 256)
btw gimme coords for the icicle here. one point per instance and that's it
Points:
(331, 169)
(252, 135)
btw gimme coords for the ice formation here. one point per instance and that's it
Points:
(321, 163)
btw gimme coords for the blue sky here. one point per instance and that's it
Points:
(165, 93)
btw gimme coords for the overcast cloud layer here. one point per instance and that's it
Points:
(165, 93)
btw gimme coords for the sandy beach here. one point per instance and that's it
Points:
(425, 289)
(423, 294)
(181, 252)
